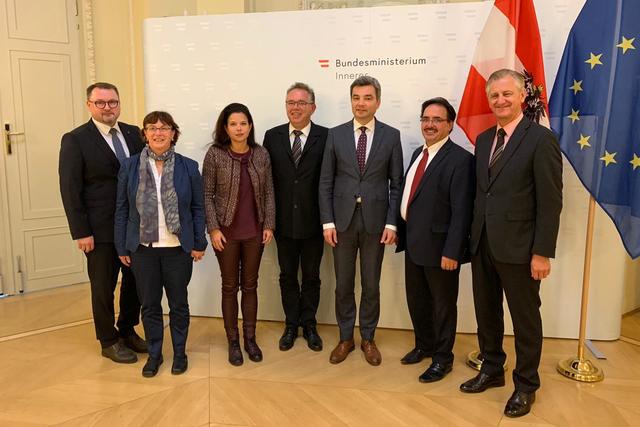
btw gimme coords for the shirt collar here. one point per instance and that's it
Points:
(511, 126)
(305, 130)
(104, 129)
(435, 147)
(370, 126)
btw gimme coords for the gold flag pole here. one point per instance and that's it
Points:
(579, 368)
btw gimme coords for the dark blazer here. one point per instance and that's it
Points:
(378, 186)
(188, 184)
(439, 216)
(296, 189)
(520, 205)
(88, 171)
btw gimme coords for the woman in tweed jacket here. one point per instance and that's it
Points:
(240, 211)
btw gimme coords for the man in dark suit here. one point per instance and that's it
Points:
(90, 157)
(435, 210)
(513, 236)
(359, 196)
(296, 157)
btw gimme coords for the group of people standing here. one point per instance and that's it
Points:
(135, 205)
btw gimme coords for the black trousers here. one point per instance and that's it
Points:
(154, 269)
(103, 266)
(490, 279)
(432, 296)
(300, 301)
(353, 240)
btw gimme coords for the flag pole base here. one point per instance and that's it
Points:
(475, 359)
(580, 370)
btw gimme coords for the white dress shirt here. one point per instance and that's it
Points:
(104, 131)
(303, 136)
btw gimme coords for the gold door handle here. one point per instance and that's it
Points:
(7, 136)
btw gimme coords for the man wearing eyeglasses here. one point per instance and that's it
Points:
(435, 211)
(90, 157)
(296, 157)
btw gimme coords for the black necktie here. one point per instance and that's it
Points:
(296, 150)
(361, 148)
(497, 152)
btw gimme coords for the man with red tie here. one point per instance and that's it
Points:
(433, 230)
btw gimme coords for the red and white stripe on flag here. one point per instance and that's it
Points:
(510, 39)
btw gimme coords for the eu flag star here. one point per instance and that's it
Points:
(584, 141)
(626, 44)
(608, 158)
(574, 115)
(593, 60)
(576, 87)
(635, 161)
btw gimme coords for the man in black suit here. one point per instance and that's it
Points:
(296, 157)
(90, 158)
(513, 236)
(359, 196)
(435, 210)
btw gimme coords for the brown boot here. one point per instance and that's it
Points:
(235, 354)
(341, 351)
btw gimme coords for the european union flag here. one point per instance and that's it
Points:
(595, 109)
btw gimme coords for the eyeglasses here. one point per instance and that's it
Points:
(160, 129)
(112, 103)
(300, 104)
(432, 120)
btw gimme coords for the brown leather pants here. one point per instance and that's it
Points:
(239, 263)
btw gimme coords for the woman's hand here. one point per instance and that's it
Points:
(197, 255)
(126, 260)
(267, 235)
(218, 240)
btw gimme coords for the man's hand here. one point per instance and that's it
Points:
(540, 267)
(388, 237)
(86, 244)
(330, 236)
(196, 255)
(448, 263)
(267, 235)
(126, 260)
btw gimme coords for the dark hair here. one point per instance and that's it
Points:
(163, 117)
(101, 85)
(451, 112)
(221, 137)
(366, 81)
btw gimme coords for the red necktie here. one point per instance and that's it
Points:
(418, 175)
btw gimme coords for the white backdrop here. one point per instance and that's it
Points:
(194, 66)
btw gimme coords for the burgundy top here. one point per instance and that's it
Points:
(245, 223)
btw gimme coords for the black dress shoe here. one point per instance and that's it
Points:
(180, 364)
(310, 333)
(519, 404)
(288, 337)
(119, 353)
(235, 354)
(135, 343)
(252, 349)
(150, 368)
(435, 372)
(481, 382)
(415, 356)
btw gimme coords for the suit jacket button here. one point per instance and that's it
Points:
(295, 206)
(295, 181)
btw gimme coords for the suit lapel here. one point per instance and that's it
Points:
(378, 135)
(348, 136)
(312, 138)
(482, 152)
(102, 145)
(128, 137)
(433, 166)
(512, 146)
(286, 142)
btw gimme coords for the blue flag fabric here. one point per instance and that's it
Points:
(595, 109)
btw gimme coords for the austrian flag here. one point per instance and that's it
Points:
(510, 39)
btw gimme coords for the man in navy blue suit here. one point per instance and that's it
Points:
(433, 230)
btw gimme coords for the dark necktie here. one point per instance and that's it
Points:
(296, 150)
(497, 152)
(117, 145)
(361, 149)
(422, 165)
